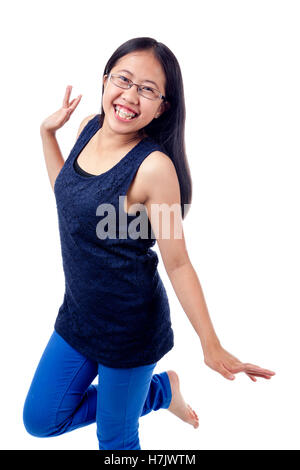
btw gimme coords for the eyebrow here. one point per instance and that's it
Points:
(130, 73)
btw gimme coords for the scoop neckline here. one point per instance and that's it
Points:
(117, 165)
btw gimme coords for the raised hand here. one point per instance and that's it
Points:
(60, 117)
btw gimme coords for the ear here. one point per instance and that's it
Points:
(163, 107)
(105, 79)
(166, 105)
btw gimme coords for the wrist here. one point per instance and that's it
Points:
(210, 344)
(46, 132)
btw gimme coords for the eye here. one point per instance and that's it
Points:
(124, 79)
(147, 88)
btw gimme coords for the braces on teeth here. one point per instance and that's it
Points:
(123, 113)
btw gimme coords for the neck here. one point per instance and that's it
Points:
(108, 140)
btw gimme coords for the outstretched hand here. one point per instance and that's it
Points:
(226, 364)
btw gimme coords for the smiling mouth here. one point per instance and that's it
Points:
(123, 115)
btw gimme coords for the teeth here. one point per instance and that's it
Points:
(121, 112)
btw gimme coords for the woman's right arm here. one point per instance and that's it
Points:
(53, 156)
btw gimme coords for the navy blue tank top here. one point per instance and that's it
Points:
(115, 308)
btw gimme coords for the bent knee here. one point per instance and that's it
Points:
(35, 422)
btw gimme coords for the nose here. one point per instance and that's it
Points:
(132, 94)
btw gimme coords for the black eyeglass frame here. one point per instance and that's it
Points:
(130, 84)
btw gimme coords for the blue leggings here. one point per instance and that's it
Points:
(61, 397)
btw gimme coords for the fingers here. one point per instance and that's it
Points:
(253, 369)
(247, 367)
(260, 375)
(70, 106)
(72, 102)
(252, 378)
(227, 370)
(67, 96)
(73, 105)
(226, 373)
(75, 102)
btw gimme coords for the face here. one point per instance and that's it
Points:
(143, 66)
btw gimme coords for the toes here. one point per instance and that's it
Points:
(192, 410)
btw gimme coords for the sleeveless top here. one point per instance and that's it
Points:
(115, 308)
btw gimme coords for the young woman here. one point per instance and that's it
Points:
(114, 321)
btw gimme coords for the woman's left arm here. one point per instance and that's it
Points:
(163, 199)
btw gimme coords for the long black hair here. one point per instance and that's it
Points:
(169, 129)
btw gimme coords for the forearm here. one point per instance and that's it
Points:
(53, 156)
(190, 295)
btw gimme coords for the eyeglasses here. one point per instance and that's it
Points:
(126, 83)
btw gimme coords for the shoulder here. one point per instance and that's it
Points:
(159, 173)
(84, 123)
(157, 162)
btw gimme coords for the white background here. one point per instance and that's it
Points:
(240, 66)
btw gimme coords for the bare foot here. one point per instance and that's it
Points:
(178, 406)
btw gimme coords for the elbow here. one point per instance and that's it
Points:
(177, 262)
